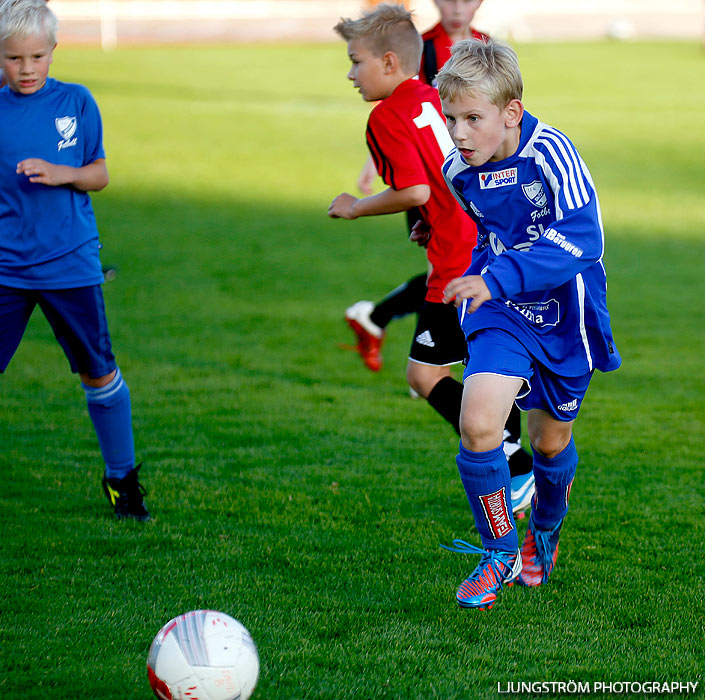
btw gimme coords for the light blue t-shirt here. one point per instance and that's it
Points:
(48, 235)
(539, 250)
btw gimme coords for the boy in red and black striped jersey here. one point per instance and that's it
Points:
(455, 21)
(407, 138)
(369, 320)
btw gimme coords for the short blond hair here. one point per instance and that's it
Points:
(25, 18)
(490, 68)
(386, 28)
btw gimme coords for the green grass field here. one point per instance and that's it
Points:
(292, 488)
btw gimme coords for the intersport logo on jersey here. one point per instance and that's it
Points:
(500, 178)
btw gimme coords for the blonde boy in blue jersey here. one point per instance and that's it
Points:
(51, 156)
(532, 306)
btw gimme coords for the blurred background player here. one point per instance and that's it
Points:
(51, 156)
(369, 320)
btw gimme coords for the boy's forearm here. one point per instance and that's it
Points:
(391, 201)
(89, 178)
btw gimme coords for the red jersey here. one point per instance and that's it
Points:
(436, 51)
(408, 140)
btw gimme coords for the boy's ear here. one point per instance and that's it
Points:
(513, 113)
(390, 62)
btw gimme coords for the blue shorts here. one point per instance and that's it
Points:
(495, 351)
(77, 317)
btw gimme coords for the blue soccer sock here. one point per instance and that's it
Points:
(485, 477)
(110, 410)
(554, 478)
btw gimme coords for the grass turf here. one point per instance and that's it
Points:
(290, 487)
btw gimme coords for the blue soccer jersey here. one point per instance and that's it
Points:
(48, 235)
(539, 250)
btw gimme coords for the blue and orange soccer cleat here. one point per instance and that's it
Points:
(495, 570)
(539, 553)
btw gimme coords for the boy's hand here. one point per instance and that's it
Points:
(470, 287)
(420, 233)
(38, 170)
(342, 207)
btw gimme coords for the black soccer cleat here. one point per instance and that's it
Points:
(126, 496)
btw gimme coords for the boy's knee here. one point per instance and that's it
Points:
(423, 378)
(479, 432)
(548, 436)
(550, 444)
(98, 382)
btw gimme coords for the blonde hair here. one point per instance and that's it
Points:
(489, 68)
(386, 28)
(25, 18)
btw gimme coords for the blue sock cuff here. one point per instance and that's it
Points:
(566, 459)
(104, 394)
(480, 466)
(487, 457)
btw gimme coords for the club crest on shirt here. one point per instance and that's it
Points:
(66, 126)
(535, 194)
(500, 178)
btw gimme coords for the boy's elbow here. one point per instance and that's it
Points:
(420, 195)
(100, 175)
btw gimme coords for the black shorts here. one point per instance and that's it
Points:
(438, 338)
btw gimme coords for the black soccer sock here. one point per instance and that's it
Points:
(520, 461)
(405, 299)
(446, 398)
(513, 424)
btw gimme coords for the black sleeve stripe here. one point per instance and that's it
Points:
(381, 163)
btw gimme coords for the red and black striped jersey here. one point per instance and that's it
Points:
(408, 140)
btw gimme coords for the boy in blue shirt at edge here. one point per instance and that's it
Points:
(51, 156)
(532, 306)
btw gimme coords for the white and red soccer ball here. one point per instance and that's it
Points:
(203, 655)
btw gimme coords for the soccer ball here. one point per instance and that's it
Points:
(203, 654)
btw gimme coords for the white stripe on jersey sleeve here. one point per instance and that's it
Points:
(580, 286)
(574, 162)
(565, 179)
(563, 157)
